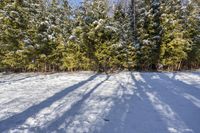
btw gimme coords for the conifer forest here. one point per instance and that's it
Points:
(99, 66)
(99, 35)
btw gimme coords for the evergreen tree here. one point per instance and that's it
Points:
(50, 35)
(96, 32)
(14, 24)
(174, 45)
(126, 51)
(192, 22)
(144, 45)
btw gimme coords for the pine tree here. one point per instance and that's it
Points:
(174, 45)
(50, 35)
(64, 26)
(125, 49)
(14, 26)
(95, 32)
(192, 22)
(143, 46)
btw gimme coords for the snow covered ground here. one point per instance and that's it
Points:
(86, 102)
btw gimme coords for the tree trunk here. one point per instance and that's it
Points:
(133, 21)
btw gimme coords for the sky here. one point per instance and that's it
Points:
(76, 2)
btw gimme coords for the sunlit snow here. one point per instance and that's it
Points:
(86, 102)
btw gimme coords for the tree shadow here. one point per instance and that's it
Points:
(133, 112)
(194, 83)
(192, 99)
(196, 73)
(180, 85)
(170, 91)
(20, 118)
(16, 80)
(74, 110)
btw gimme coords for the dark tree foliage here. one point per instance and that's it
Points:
(52, 35)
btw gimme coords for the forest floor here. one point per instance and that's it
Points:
(86, 102)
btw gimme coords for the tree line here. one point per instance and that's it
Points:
(52, 35)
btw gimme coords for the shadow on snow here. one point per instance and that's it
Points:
(172, 94)
(133, 112)
(154, 104)
(20, 118)
(71, 112)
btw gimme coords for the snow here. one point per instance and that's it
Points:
(72, 37)
(86, 102)
(111, 28)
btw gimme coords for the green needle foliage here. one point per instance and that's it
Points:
(98, 35)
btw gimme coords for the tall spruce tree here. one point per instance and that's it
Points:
(14, 25)
(50, 35)
(96, 33)
(175, 44)
(192, 22)
(124, 36)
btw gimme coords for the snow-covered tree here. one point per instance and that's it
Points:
(96, 33)
(122, 20)
(14, 25)
(175, 44)
(52, 35)
(192, 22)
